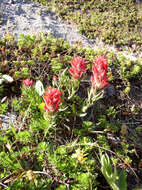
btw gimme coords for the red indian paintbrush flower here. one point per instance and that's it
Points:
(28, 82)
(52, 100)
(55, 77)
(99, 78)
(78, 67)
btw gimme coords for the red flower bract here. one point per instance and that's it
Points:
(78, 67)
(52, 100)
(55, 77)
(27, 82)
(99, 78)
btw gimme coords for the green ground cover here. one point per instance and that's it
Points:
(89, 143)
(116, 22)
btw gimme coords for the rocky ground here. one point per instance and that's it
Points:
(23, 16)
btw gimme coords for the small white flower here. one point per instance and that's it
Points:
(7, 78)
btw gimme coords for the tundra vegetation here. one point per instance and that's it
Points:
(114, 22)
(78, 113)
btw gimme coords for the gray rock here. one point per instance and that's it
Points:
(111, 90)
(138, 1)
(26, 17)
(7, 120)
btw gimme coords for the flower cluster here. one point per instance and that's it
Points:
(99, 78)
(52, 100)
(27, 82)
(78, 67)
